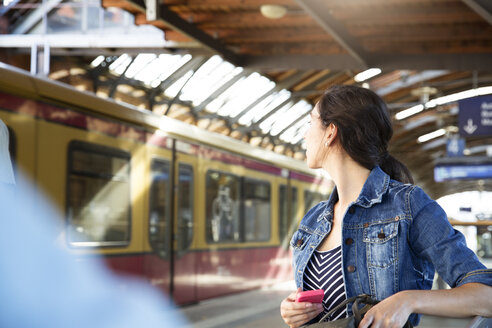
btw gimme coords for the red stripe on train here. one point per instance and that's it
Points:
(206, 274)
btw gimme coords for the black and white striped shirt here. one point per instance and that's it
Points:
(324, 271)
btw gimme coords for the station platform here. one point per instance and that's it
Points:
(261, 308)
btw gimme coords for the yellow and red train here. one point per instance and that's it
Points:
(197, 214)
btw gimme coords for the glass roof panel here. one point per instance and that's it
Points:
(150, 72)
(277, 100)
(295, 132)
(225, 97)
(301, 108)
(120, 64)
(138, 65)
(173, 90)
(209, 77)
(266, 125)
(245, 91)
(168, 64)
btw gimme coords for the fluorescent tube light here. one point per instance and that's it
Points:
(432, 135)
(367, 74)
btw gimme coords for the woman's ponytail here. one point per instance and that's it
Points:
(396, 169)
(364, 127)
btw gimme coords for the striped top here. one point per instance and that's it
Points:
(324, 271)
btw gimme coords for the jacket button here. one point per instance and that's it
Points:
(351, 268)
(349, 241)
(299, 242)
(352, 210)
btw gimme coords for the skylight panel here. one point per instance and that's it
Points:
(97, 61)
(245, 91)
(209, 77)
(292, 134)
(266, 125)
(150, 72)
(120, 64)
(139, 64)
(279, 98)
(168, 64)
(173, 90)
(225, 97)
(301, 108)
(250, 114)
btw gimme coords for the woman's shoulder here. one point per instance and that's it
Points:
(413, 196)
(315, 212)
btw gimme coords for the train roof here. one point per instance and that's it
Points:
(22, 83)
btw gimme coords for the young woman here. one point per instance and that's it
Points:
(377, 234)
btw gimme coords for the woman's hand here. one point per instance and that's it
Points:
(392, 312)
(295, 314)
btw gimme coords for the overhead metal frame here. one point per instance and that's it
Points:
(481, 7)
(173, 20)
(320, 13)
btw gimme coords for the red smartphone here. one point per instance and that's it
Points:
(313, 296)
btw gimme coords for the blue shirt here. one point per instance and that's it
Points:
(44, 286)
(394, 237)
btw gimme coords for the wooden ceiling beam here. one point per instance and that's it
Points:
(275, 35)
(176, 22)
(227, 3)
(423, 30)
(321, 13)
(415, 19)
(247, 19)
(292, 48)
(385, 61)
(401, 47)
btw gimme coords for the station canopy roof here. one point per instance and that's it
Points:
(228, 66)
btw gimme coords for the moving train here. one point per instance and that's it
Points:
(195, 213)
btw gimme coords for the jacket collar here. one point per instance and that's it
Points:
(372, 193)
(374, 188)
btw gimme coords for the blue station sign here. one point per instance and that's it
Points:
(467, 167)
(475, 116)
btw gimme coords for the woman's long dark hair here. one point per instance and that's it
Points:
(364, 128)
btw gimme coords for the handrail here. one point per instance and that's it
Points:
(470, 223)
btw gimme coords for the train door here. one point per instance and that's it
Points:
(158, 264)
(184, 259)
(172, 265)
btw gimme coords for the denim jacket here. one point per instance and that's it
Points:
(394, 237)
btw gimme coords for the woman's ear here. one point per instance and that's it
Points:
(331, 133)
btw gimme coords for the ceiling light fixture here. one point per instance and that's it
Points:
(432, 135)
(273, 11)
(367, 74)
(444, 100)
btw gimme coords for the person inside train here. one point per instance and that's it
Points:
(42, 285)
(377, 234)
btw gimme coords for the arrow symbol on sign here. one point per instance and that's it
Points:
(470, 127)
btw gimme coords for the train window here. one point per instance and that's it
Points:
(287, 211)
(160, 207)
(312, 198)
(256, 210)
(222, 207)
(98, 206)
(185, 207)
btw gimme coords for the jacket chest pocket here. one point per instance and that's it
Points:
(298, 243)
(381, 243)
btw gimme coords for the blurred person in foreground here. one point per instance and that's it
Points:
(44, 286)
(377, 234)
